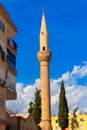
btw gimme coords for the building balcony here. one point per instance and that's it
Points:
(11, 45)
(11, 68)
(10, 93)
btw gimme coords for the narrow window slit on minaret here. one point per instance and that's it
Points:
(43, 48)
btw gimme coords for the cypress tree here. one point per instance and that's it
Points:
(63, 108)
(35, 106)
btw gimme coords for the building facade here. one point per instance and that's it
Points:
(8, 73)
(82, 119)
(26, 122)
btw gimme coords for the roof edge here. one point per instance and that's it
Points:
(6, 16)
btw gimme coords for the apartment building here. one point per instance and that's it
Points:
(81, 118)
(8, 73)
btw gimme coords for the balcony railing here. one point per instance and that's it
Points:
(11, 66)
(10, 93)
(11, 88)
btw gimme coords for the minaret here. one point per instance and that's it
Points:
(44, 56)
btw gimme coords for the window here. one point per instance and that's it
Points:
(56, 121)
(11, 58)
(1, 100)
(2, 26)
(81, 119)
(43, 48)
(1, 50)
(11, 82)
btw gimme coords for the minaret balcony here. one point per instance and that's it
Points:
(44, 55)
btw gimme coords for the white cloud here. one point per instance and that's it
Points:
(76, 93)
(80, 71)
(66, 76)
(54, 99)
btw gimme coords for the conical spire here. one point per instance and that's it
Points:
(43, 34)
(43, 25)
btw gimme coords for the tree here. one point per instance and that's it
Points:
(63, 108)
(74, 123)
(30, 110)
(35, 106)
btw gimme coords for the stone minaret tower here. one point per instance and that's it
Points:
(44, 56)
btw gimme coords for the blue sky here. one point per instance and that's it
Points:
(67, 27)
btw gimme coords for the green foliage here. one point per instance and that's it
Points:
(74, 123)
(35, 107)
(63, 108)
(30, 110)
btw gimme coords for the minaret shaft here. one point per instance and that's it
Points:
(45, 96)
(44, 56)
(45, 91)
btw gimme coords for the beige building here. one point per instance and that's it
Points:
(8, 51)
(44, 56)
(8, 73)
(26, 122)
(20, 122)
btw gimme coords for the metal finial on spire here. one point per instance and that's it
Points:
(42, 9)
